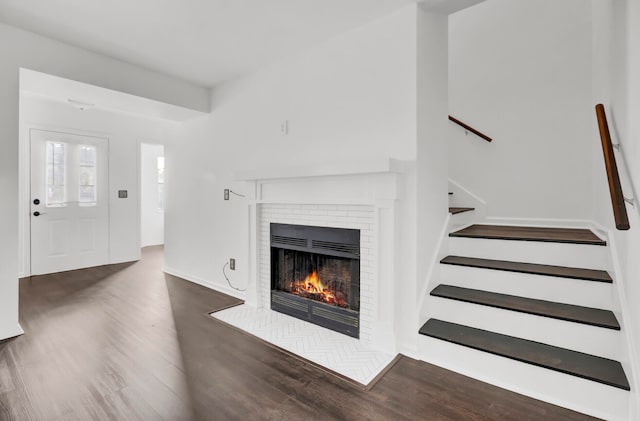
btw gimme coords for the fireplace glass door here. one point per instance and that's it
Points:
(315, 275)
(322, 278)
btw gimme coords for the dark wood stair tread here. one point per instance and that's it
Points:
(586, 366)
(531, 268)
(567, 312)
(546, 234)
(455, 211)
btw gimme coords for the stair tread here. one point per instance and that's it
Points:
(586, 366)
(568, 312)
(455, 210)
(531, 268)
(545, 234)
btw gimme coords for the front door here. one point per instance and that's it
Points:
(69, 202)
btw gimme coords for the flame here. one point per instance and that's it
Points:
(313, 284)
(313, 288)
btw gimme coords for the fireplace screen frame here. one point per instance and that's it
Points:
(342, 243)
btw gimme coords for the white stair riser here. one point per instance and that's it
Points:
(579, 337)
(461, 220)
(546, 253)
(547, 385)
(563, 290)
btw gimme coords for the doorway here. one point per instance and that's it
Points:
(151, 194)
(69, 201)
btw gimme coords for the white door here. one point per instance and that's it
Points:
(69, 202)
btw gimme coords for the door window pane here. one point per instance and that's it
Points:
(56, 190)
(87, 174)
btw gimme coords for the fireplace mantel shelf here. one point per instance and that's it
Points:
(326, 169)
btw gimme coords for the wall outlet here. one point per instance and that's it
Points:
(226, 194)
(232, 264)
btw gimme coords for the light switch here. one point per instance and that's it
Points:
(122, 194)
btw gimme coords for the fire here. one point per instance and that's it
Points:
(312, 283)
(313, 288)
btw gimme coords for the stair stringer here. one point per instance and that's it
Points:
(630, 365)
(433, 275)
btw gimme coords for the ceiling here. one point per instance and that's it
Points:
(54, 88)
(205, 42)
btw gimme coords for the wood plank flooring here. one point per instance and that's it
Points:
(553, 235)
(127, 342)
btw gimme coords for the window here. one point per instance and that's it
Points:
(56, 174)
(87, 174)
(161, 183)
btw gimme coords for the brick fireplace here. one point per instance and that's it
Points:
(364, 196)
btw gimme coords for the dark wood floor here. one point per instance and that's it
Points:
(127, 342)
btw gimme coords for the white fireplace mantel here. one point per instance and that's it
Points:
(326, 169)
(362, 196)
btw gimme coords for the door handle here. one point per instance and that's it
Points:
(36, 213)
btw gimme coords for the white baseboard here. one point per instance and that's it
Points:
(205, 283)
(454, 185)
(12, 333)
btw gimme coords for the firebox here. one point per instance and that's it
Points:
(315, 275)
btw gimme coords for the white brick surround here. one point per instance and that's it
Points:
(361, 217)
(362, 196)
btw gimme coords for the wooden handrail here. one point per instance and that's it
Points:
(615, 188)
(471, 129)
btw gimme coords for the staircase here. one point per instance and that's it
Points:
(455, 210)
(530, 309)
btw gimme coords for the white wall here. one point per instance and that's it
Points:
(349, 99)
(151, 215)
(630, 246)
(616, 84)
(124, 133)
(520, 71)
(432, 164)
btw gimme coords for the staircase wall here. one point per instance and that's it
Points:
(520, 71)
(431, 149)
(616, 84)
